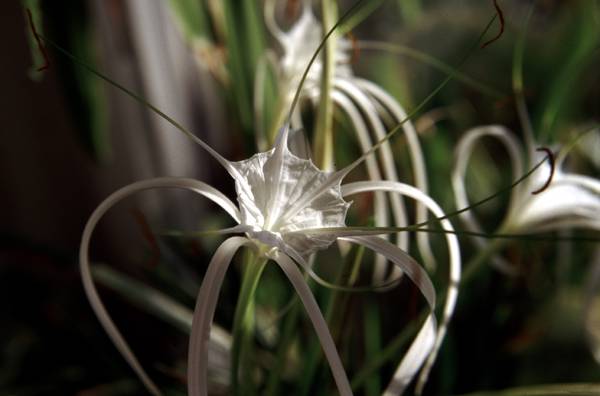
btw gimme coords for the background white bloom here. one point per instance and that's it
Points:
(550, 199)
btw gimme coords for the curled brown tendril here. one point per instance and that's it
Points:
(41, 47)
(550, 156)
(501, 20)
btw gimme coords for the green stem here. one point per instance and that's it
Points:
(244, 324)
(289, 331)
(323, 143)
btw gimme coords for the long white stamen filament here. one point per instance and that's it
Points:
(463, 153)
(319, 323)
(453, 249)
(423, 343)
(88, 283)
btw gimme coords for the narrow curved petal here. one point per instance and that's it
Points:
(562, 204)
(424, 342)
(462, 155)
(583, 181)
(364, 140)
(206, 304)
(319, 323)
(416, 157)
(88, 283)
(453, 250)
(386, 155)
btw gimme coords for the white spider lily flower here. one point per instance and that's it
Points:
(287, 209)
(365, 104)
(569, 200)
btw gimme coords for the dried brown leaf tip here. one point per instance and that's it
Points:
(38, 40)
(501, 20)
(552, 163)
(355, 48)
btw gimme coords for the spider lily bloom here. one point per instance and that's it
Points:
(287, 209)
(366, 106)
(569, 200)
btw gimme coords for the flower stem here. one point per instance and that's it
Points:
(323, 143)
(244, 324)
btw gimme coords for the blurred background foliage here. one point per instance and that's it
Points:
(69, 139)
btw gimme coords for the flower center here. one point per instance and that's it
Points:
(281, 195)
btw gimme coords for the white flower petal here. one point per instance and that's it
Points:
(557, 206)
(463, 153)
(453, 249)
(425, 339)
(387, 159)
(204, 311)
(416, 156)
(319, 323)
(364, 140)
(88, 283)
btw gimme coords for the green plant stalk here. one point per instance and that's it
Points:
(410, 10)
(386, 354)
(240, 85)
(372, 344)
(583, 44)
(191, 17)
(290, 329)
(244, 324)
(323, 142)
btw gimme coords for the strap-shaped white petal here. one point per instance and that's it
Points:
(453, 250)
(88, 283)
(319, 323)
(364, 140)
(206, 303)
(387, 159)
(425, 340)
(463, 152)
(416, 157)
